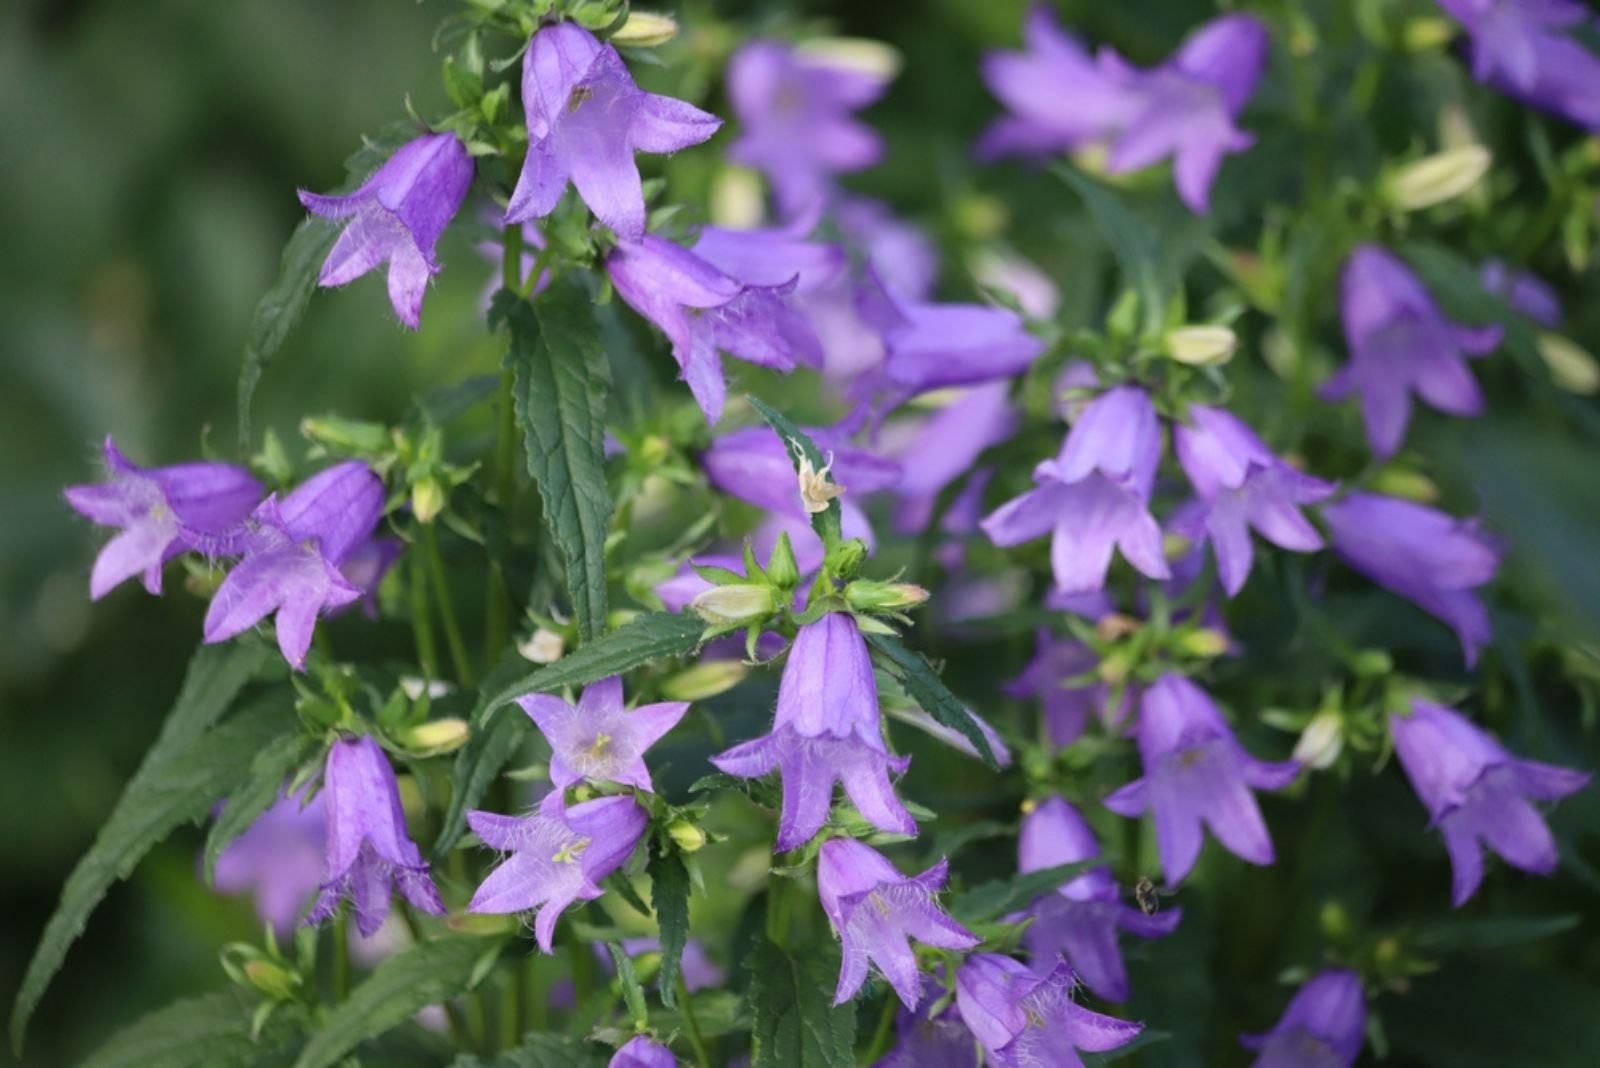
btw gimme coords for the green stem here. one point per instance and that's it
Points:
(447, 612)
(421, 622)
(498, 602)
(884, 1033)
(341, 956)
(510, 1004)
(538, 1011)
(780, 897)
(692, 1025)
(452, 1011)
(582, 961)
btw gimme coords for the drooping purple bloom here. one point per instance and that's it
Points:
(1024, 1019)
(1401, 344)
(945, 446)
(292, 557)
(558, 856)
(641, 1051)
(598, 739)
(1525, 291)
(279, 860)
(1066, 708)
(366, 566)
(1322, 1027)
(704, 311)
(586, 118)
(1243, 484)
(876, 911)
(1196, 772)
(1524, 48)
(1432, 559)
(396, 217)
(775, 256)
(1095, 496)
(940, 1042)
(826, 730)
(161, 512)
(1080, 920)
(1475, 792)
(369, 851)
(901, 254)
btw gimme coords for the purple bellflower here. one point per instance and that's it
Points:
(396, 217)
(369, 850)
(940, 1042)
(753, 465)
(597, 739)
(292, 555)
(641, 1051)
(279, 859)
(775, 256)
(1081, 918)
(1242, 484)
(558, 855)
(876, 911)
(1321, 1028)
(1066, 708)
(702, 310)
(826, 730)
(1401, 344)
(1525, 291)
(945, 446)
(1196, 772)
(1522, 47)
(1094, 496)
(161, 512)
(586, 119)
(1432, 559)
(1024, 1019)
(1476, 791)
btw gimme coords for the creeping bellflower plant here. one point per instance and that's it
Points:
(1322, 1027)
(597, 739)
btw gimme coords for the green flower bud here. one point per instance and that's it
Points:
(1201, 346)
(1437, 178)
(1203, 642)
(545, 646)
(689, 837)
(864, 595)
(646, 29)
(704, 680)
(781, 566)
(733, 604)
(427, 499)
(436, 737)
(1322, 741)
(274, 981)
(1571, 366)
(846, 558)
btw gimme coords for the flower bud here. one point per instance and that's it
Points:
(274, 981)
(854, 54)
(738, 199)
(1571, 367)
(846, 558)
(1437, 178)
(864, 595)
(1114, 667)
(427, 499)
(1201, 346)
(645, 29)
(1204, 642)
(347, 435)
(435, 737)
(545, 646)
(688, 837)
(782, 569)
(733, 604)
(1407, 484)
(704, 680)
(1114, 625)
(1322, 740)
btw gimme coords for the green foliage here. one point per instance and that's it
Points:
(261, 786)
(211, 1031)
(796, 1023)
(540, 1051)
(628, 980)
(923, 685)
(985, 902)
(669, 897)
(1134, 244)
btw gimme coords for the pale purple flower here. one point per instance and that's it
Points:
(900, 254)
(704, 311)
(558, 855)
(946, 444)
(1525, 291)
(1243, 484)
(1196, 773)
(1426, 556)
(826, 730)
(396, 217)
(161, 512)
(1026, 1019)
(365, 567)
(935, 346)
(598, 739)
(1401, 344)
(877, 911)
(1322, 1027)
(753, 464)
(586, 118)
(940, 1042)
(279, 859)
(369, 851)
(1475, 792)
(1065, 708)
(774, 256)
(292, 557)
(1524, 48)
(641, 1051)
(1095, 496)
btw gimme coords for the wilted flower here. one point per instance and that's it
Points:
(753, 464)
(396, 217)
(1024, 1019)
(826, 730)
(1432, 559)
(558, 856)
(597, 739)
(369, 850)
(279, 859)
(162, 512)
(876, 911)
(586, 118)
(641, 1051)
(1476, 791)
(1196, 772)
(1322, 1027)
(1522, 47)
(1400, 344)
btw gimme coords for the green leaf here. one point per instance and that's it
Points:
(260, 789)
(988, 900)
(796, 1023)
(827, 523)
(1132, 242)
(1494, 932)
(924, 686)
(214, 678)
(212, 1031)
(628, 980)
(669, 897)
(420, 975)
(1477, 1016)
(175, 785)
(541, 1051)
(560, 392)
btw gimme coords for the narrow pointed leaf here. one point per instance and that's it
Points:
(923, 685)
(259, 789)
(989, 900)
(669, 896)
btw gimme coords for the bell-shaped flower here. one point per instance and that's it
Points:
(827, 730)
(773, 256)
(1080, 919)
(940, 1042)
(292, 555)
(1049, 678)
(279, 860)
(1322, 1027)
(1095, 496)
(876, 911)
(396, 217)
(1475, 792)
(369, 851)
(1401, 344)
(1196, 773)
(1525, 291)
(1024, 1019)
(1242, 484)
(599, 740)
(558, 855)
(161, 512)
(704, 311)
(1525, 48)
(586, 118)
(1431, 559)
(945, 446)
(642, 1051)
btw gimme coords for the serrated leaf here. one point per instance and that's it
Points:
(923, 685)
(827, 523)
(561, 383)
(541, 1051)
(180, 787)
(988, 900)
(1132, 242)
(254, 795)
(628, 980)
(796, 1023)
(214, 678)
(669, 897)
(212, 1031)
(418, 976)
